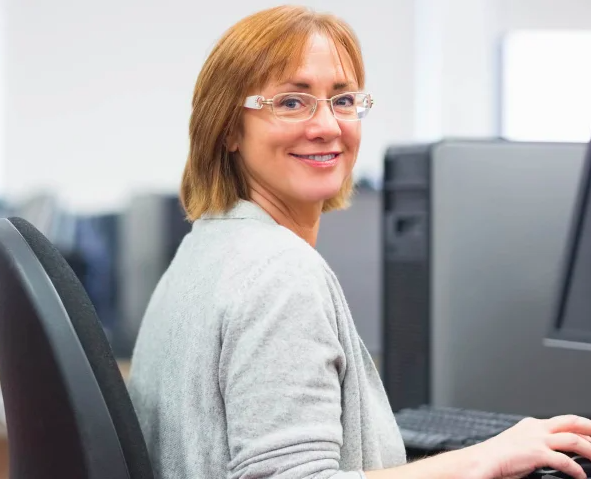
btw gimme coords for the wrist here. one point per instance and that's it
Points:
(468, 463)
(474, 461)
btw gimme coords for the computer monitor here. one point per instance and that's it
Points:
(571, 326)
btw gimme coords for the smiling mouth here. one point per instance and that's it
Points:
(320, 158)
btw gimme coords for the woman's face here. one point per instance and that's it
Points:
(278, 155)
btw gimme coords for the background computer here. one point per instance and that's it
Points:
(474, 234)
(119, 256)
(151, 228)
(349, 240)
(502, 218)
(571, 327)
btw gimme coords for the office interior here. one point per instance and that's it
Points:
(490, 97)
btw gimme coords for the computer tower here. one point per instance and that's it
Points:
(406, 273)
(151, 228)
(473, 234)
(349, 241)
(96, 247)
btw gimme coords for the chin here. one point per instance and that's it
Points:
(319, 195)
(316, 190)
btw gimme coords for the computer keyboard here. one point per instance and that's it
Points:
(430, 429)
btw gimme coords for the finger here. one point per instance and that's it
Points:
(561, 462)
(586, 438)
(570, 423)
(567, 442)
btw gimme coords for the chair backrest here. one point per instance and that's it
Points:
(67, 408)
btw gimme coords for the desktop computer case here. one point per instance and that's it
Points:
(405, 232)
(473, 234)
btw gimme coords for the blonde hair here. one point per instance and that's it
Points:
(262, 47)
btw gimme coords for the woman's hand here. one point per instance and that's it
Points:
(536, 443)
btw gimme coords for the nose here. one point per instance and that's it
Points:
(323, 125)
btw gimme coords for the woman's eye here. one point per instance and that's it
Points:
(345, 101)
(291, 103)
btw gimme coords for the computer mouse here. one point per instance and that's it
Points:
(546, 472)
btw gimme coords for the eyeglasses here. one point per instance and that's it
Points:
(293, 107)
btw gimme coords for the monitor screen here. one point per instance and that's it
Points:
(572, 318)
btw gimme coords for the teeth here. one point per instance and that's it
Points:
(318, 157)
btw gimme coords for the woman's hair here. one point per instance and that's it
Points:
(266, 46)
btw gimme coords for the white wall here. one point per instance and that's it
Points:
(99, 93)
(454, 68)
(567, 14)
(546, 80)
(457, 58)
(553, 15)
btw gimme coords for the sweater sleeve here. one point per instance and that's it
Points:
(281, 368)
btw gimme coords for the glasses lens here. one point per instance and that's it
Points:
(351, 106)
(294, 106)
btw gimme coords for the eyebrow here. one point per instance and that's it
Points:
(306, 86)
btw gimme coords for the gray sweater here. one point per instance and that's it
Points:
(248, 363)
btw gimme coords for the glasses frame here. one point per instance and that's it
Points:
(257, 102)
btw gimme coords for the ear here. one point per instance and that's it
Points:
(232, 142)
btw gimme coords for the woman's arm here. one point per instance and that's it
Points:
(280, 374)
(460, 464)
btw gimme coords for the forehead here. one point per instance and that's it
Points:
(321, 60)
(321, 50)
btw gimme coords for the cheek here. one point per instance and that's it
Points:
(282, 138)
(351, 133)
(267, 136)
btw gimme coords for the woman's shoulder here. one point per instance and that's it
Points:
(251, 242)
(275, 248)
(258, 252)
(275, 276)
(247, 251)
(254, 269)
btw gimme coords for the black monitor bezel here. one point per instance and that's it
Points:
(558, 335)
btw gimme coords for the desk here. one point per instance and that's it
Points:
(123, 367)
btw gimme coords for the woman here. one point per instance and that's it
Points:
(248, 363)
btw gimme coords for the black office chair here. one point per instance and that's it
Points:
(68, 412)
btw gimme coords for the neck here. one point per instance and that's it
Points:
(303, 220)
